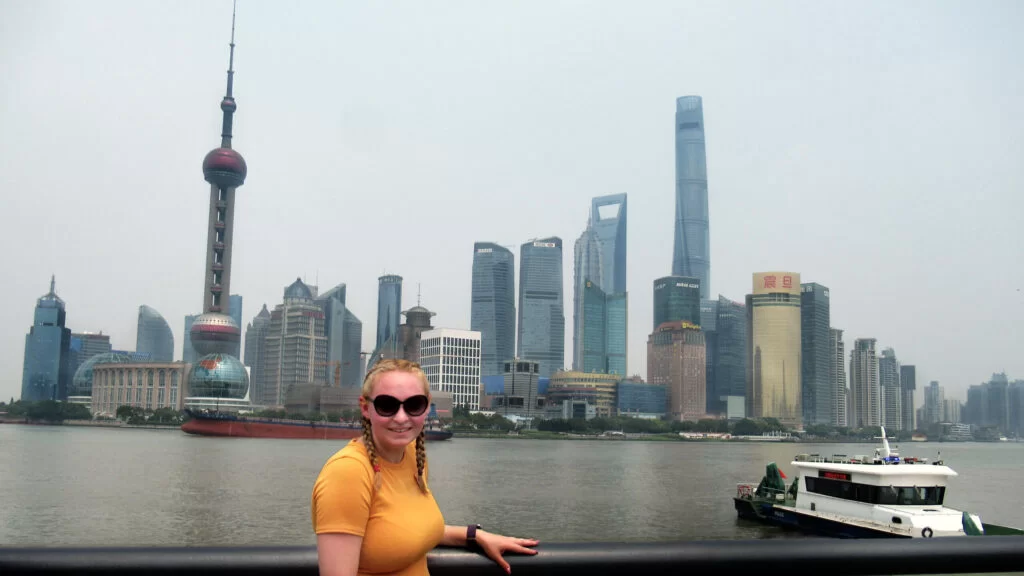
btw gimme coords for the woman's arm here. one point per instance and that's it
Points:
(494, 545)
(338, 554)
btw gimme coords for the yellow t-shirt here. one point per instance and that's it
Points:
(399, 523)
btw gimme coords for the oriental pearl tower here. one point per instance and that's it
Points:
(218, 374)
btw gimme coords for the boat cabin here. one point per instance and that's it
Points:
(907, 497)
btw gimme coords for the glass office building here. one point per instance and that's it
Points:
(154, 336)
(817, 388)
(493, 308)
(46, 372)
(677, 299)
(389, 307)
(541, 313)
(691, 254)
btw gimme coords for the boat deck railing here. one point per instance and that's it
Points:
(790, 556)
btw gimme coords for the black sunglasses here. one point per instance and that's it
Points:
(388, 406)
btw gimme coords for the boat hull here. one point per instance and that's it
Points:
(295, 429)
(785, 517)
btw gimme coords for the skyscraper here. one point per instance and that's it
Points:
(708, 322)
(867, 398)
(889, 387)
(256, 352)
(817, 388)
(837, 376)
(46, 372)
(678, 299)
(296, 346)
(154, 336)
(774, 347)
(730, 364)
(85, 345)
(675, 359)
(215, 334)
(934, 397)
(188, 353)
(344, 334)
(600, 263)
(235, 311)
(908, 383)
(691, 254)
(603, 322)
(493, 309)
(541, 314)
(389, 306)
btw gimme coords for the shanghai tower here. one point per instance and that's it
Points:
(215, 335)
(691, 255)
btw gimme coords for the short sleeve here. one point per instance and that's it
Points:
(341, 498)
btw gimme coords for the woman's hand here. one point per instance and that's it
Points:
(494, 545)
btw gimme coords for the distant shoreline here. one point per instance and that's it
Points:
(91, 424)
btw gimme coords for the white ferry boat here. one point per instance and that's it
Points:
(879, 496)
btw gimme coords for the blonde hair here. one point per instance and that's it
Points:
(372, 377)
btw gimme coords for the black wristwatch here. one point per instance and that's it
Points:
(471, 534)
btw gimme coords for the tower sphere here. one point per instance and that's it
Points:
(224, 167)
(214, 333)
(218, 376)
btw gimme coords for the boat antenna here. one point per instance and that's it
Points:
(885, 444)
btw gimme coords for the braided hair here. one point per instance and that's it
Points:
(372, 377)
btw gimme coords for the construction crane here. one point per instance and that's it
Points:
(337, 370)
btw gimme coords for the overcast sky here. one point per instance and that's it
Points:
(873, 147)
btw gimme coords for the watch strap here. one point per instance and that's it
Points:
(471, 534)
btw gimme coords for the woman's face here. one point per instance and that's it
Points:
(394, 433)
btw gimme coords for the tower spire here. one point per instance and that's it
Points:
(53, 282)
(228, 104)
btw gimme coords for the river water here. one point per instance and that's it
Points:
(75, 486)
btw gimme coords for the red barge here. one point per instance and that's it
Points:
(233, 425)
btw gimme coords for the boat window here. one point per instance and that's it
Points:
(897, 520)
(888, 495)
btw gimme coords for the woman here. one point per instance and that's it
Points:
(372, 510)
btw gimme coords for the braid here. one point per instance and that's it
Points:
(371, 450)
(421, 460)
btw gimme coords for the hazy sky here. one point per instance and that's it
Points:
(874, 147)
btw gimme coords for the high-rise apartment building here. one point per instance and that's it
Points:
(296, 345)
(154, 336)
(867, 397)
(951, 411)
(774, 348)
(256, 353)
(344, 334)
(817, 388)
(493, 310)
(541, 312)
(934, 398)
(837, 377)
(890, 389)
(677, 299)
(451, 360)
(691, 254)
(46, 372)
(389, 306)
(599, 289)
(675, 359)
(908, 383)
